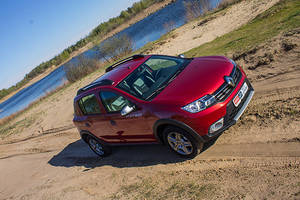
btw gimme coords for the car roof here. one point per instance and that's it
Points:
(121, 71)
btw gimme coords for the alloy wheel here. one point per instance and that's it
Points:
(96, 146)
(180, 143)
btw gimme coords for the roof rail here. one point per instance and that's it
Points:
(95, 84)
(123, 61)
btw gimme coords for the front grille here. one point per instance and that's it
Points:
(231, 110)
(225, 90)
(236, 74)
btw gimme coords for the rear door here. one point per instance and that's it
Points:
(94, 118)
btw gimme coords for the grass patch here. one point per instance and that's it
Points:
(153, 189)
(282, 17)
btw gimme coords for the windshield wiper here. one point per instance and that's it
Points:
(175, 75)
(156, 91)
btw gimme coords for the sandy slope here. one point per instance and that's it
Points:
(194, 34)
(258, 158)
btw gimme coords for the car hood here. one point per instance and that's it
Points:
(202, 76)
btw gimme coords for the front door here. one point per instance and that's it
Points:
(133, 127)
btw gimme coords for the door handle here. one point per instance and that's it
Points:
(87, 124)
(112, 122)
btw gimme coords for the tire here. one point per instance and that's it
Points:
(181, 142)
(98, 147)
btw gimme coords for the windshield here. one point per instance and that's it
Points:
(152, 76)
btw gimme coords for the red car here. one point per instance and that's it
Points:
(181, 102)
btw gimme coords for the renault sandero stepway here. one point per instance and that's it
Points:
(176, 101)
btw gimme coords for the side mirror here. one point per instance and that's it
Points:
(181, 56)
(126, 110)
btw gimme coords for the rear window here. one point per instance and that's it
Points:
(89, 105)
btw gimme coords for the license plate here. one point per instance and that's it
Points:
(241, 94)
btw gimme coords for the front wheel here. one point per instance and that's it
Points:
(98, 147)
(182, 142)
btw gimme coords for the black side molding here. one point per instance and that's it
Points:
(84, 134)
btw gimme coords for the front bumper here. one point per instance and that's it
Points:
(233, 113)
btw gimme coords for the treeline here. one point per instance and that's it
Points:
(94, 36)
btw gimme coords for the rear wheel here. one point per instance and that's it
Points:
(98, 147)
(182, 142)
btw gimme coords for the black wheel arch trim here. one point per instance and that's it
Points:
(172, 122)
(84, 132)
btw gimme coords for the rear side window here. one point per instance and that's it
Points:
(89, 105)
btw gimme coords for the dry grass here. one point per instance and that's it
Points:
(164, 186)
(6, 120)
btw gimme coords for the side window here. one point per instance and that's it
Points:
(89, 105)
(113, 102)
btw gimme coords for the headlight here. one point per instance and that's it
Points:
(200, 104)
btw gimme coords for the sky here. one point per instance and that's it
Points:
(34, 31)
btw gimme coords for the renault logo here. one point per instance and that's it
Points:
(229, 80)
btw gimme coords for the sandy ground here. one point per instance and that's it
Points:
(135, 19)
(258, 158)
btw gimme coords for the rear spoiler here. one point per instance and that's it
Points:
(123, 61)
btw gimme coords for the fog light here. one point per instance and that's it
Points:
(216, 126)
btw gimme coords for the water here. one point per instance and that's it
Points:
(35, 91)
(147, 30)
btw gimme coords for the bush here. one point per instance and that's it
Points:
(82, 67)
(114, 48)
(195, 8)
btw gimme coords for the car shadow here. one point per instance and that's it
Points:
(79, 154)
